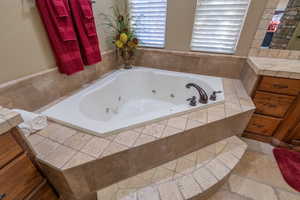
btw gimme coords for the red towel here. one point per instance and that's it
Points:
(289, 165)
(58, 22)
(86, 29)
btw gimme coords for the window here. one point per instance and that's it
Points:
(149, 21)
(218, 24)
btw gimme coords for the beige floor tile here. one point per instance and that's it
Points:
(148, 193)
(147, 175)
(263, 168)
(188, 186)
(170, 165)
(58, 133)
(283, 195)
(226, 195)
(134, 182)
(109, 193)
(169, 191)
(95, 146)
(126, 194)
(200, 116)
(191, 156)
(251, 189)
(177, 122)
(205, 178)
(155, 130)
(214, 117)
(185, 166)
(203, 156)
(228, 159)
(168, 131)
(60, 156)
(218, 169)
(127, 138)
(78, 159)
(144, 139)
(45, 147)
(113, 148)
(78, 140)
(193, 124)
(35, 139)
(162, 174)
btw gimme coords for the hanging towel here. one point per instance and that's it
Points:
(58, 23)
(32, 122)
(82, 13)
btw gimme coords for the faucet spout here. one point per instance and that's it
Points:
(203, 98)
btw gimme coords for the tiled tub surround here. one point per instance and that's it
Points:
(127, 98)
(32, 92)
(79, 164)
(220, 65)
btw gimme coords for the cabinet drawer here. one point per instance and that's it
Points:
(19, 178)
(272, 104)
(9, 149)
(280, 85)
(263, 125)
(44, 193)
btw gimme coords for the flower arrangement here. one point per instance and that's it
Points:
(123, 36)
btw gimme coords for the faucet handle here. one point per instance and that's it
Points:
(192, 101)
(213, 97)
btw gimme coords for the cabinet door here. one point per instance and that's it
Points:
(44, 193)
(9, 149)
(19, 178)
(263, 125)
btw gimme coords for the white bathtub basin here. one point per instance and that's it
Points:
(127, 98)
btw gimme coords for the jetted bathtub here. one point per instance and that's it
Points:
(127, 98)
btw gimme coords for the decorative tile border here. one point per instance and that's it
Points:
(256, 49)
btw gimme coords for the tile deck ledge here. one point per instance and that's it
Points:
(76, 148)
(188, 177)
(284, 68)
(8, 120)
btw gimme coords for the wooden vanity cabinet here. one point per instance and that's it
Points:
(19, 177)
(277, 115)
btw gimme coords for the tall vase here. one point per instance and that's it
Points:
(126, 56)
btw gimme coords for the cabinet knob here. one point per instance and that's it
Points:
(2, 196)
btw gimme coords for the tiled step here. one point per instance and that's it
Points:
(195, 175)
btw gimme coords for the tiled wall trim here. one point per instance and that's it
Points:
(191, 62)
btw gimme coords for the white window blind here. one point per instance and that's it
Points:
(218, 24)
(148, 18)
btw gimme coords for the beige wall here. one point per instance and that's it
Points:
(24, 47)
(180, 19)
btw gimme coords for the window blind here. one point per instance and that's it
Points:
(148, 18)
(218, 24)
